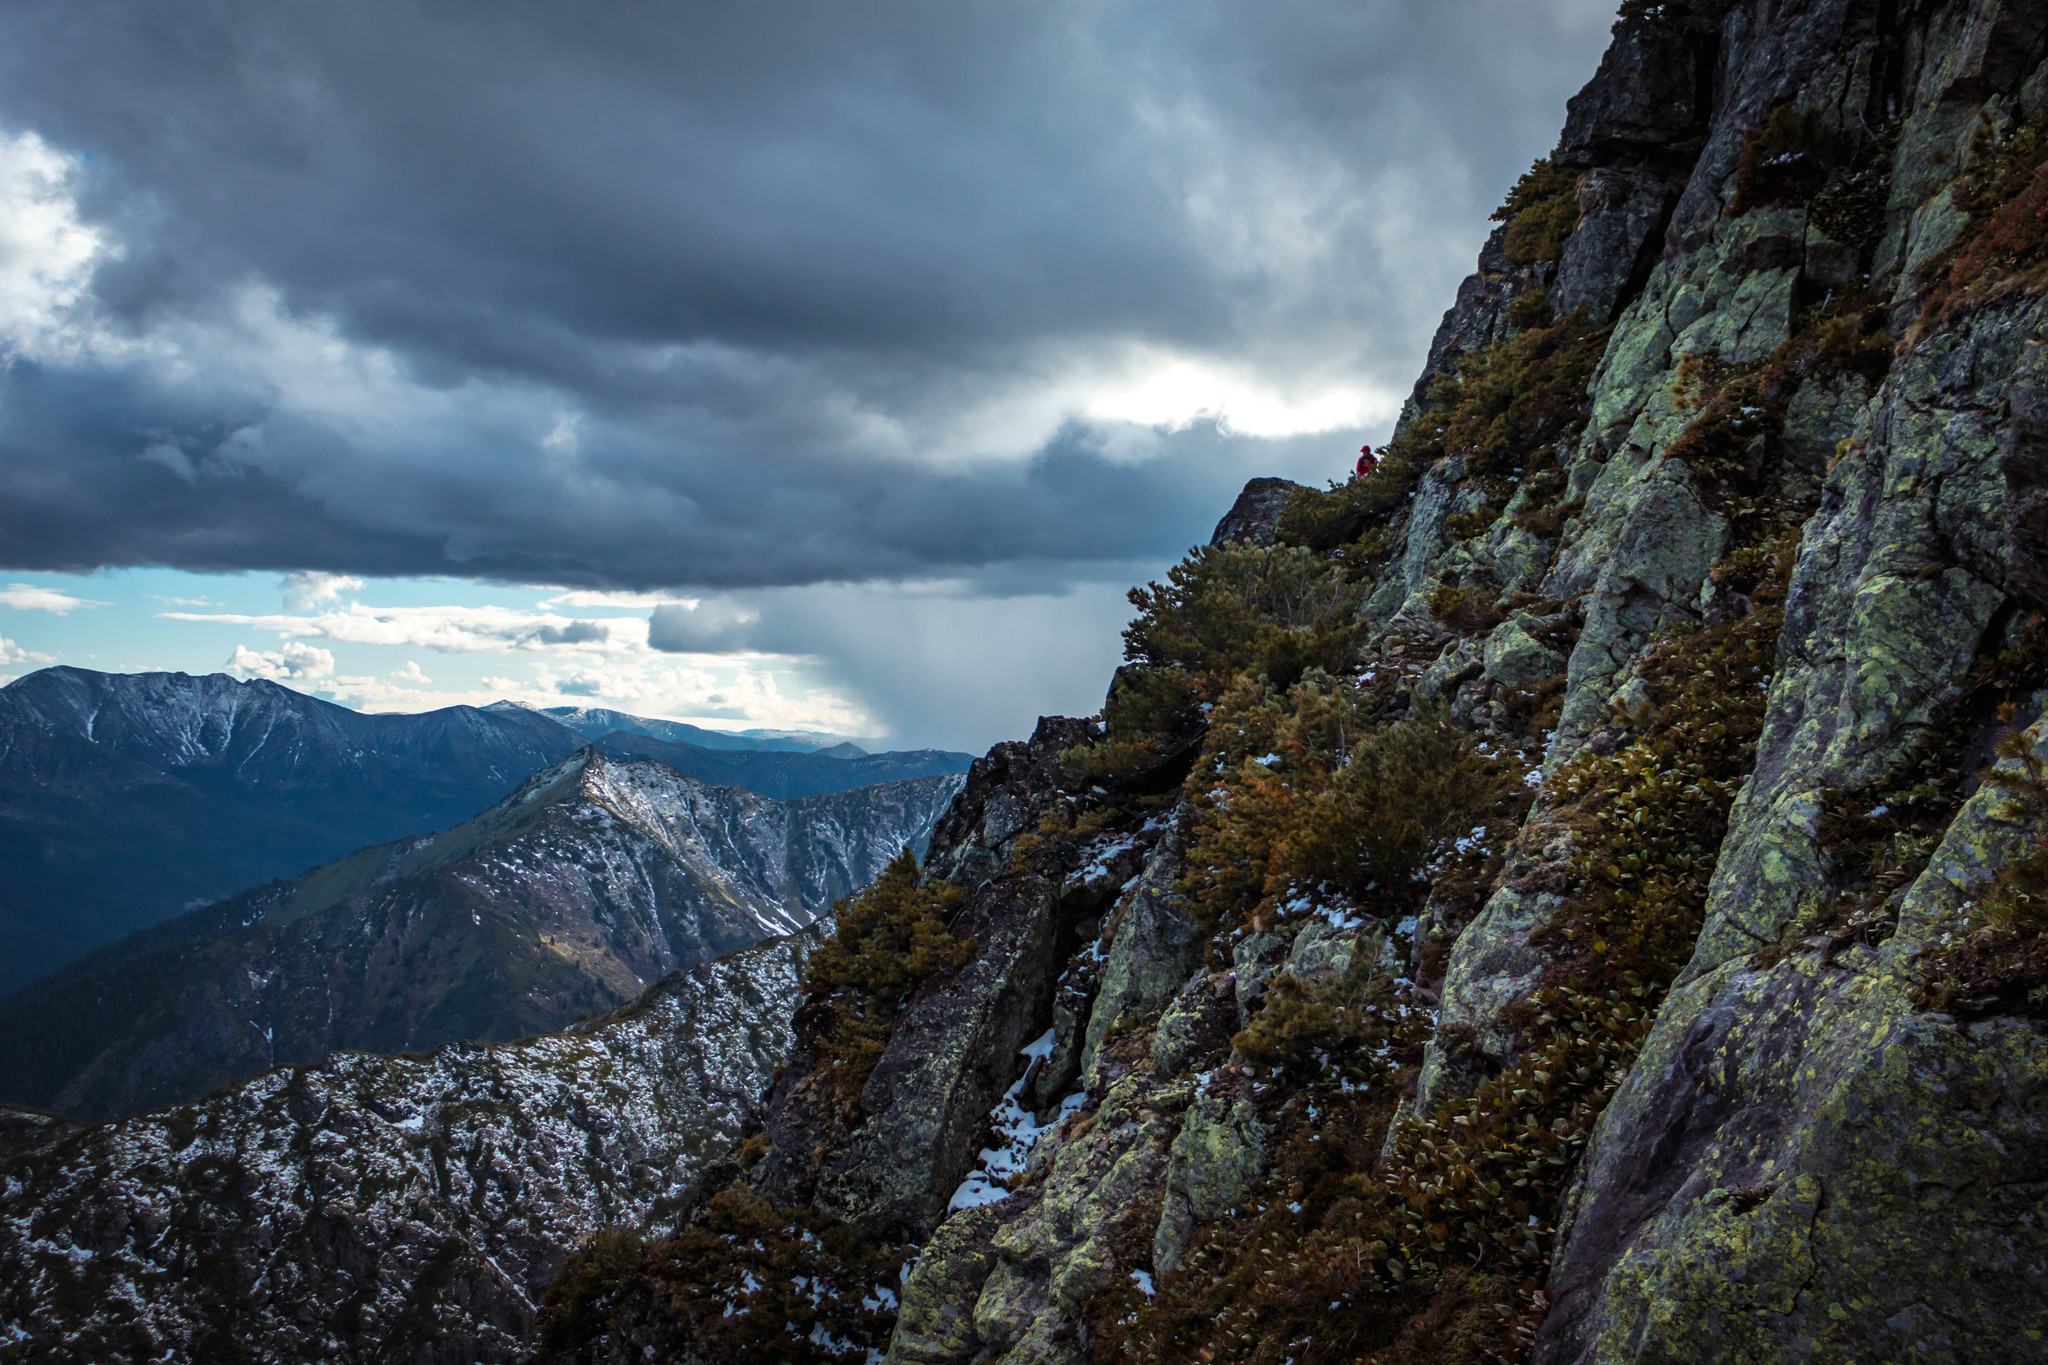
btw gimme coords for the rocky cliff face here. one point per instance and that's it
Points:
(1576, 895)
(384, 1208)
(591, 880)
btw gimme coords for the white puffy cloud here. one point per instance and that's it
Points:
(28, 597)
(296, 662)
(410, 675)
(448, 630)
(12, 653)
(304, 590)
(46, 252)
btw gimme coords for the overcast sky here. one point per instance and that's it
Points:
(413, 353)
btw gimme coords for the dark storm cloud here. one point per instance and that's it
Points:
(727, 295)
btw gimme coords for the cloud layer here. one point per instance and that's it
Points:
(871, 351)
(724, 296)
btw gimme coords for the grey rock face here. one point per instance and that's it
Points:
(1515, 658)
(1254, 518)
(1620, 230)
(2026, 489)
(955, 1049)
(1153, 947)
(1197, 1023)
(946, 1065)
(1899, 575)
(377, 1208)
(1799, 1136)
(1645, 98)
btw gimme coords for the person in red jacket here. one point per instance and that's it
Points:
(1367, 462)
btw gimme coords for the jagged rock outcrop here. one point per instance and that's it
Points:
(927, 1101)
(381, 1208)
(1254, 519)
(591, 880)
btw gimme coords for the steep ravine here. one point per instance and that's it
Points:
(1578, 895)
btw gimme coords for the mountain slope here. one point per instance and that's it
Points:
(591, 879)
(785, 775)
(386, 1208)
(127, 798)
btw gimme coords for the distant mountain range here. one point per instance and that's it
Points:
(785, 775)
(595, 722)
(570, 895)
(125, 798)
(128, 798)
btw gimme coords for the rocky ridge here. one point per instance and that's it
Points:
(1579, 887)
(589, 881)
(381, 1208)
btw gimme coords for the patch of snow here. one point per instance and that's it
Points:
(1143, 1280)
(1017, 1130)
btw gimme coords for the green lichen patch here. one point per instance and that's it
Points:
(1879, 840)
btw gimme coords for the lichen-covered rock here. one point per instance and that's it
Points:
(1153, 947)
(1899, 575)
(1197, 1023)
(1254, 959)
(1222, 1150)
(924, 1107)
(948, 1061)
(1515, 658)
(935, 1324)
(1085, 1224)
(1799, 1147)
